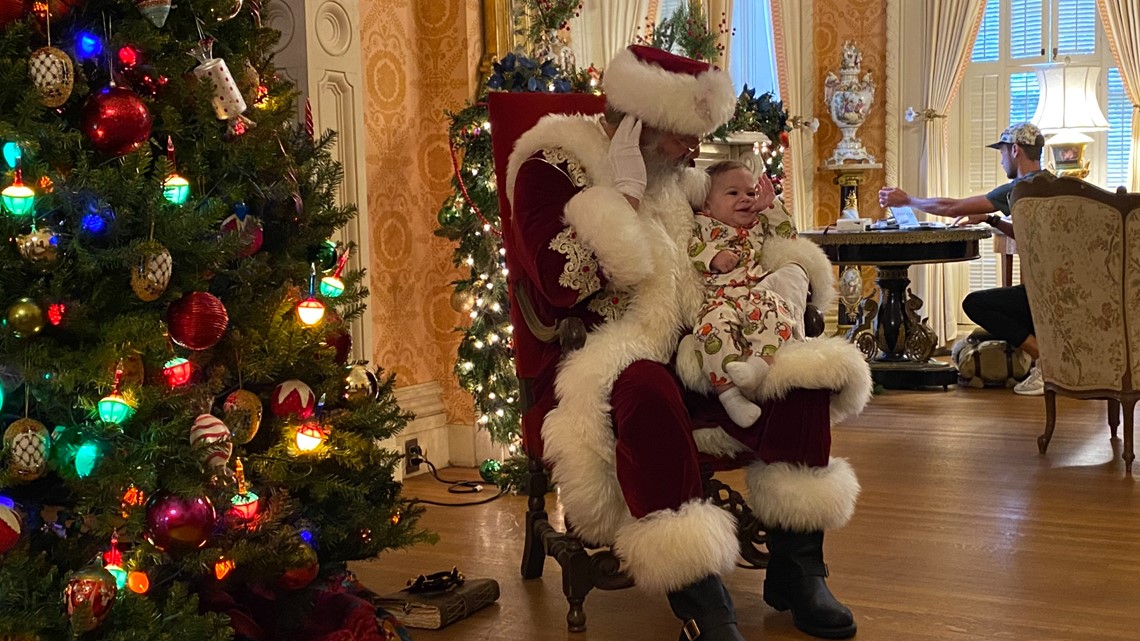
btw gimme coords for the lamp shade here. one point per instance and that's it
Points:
(1067, 99)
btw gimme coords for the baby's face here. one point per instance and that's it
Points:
(731, 197)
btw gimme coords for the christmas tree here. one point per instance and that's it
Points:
(170, 276)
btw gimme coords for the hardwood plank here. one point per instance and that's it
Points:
(963, 532)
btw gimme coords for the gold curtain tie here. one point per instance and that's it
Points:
(926, 114)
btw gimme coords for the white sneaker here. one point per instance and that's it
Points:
(1033, 385)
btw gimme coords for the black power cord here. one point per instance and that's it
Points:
(416, 456)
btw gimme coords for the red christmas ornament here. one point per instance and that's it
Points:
(341, 342)
(249, 230)
(197, 320)
(178, 525)
(116, 121)
(11, 11)
(293, 398)
(303, 574)
(89, 595)
(9, 528)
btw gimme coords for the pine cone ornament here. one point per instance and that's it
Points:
(27, 442)
(151, 274)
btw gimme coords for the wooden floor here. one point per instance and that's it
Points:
(963, 532)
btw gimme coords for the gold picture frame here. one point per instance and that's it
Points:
(500, 31)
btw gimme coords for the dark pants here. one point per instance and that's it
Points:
(1002, 311)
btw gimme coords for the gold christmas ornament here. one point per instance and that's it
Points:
(40, 247)
(25, 318)
(462, 302)
(27, 442)
(53, 74)
(151, 274)
(243, 412)
(132, 367)
(359, 384)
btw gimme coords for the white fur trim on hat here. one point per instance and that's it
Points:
(801, 498)
(675, 102)
(669, 549)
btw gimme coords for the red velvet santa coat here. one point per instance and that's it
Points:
(583, 251)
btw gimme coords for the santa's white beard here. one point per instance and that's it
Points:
(659, 168)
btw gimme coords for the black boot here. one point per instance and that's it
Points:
(795, 581)
(706, 610)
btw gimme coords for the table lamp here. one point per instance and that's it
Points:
(1067, 107)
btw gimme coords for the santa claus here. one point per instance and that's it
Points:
(602, 218)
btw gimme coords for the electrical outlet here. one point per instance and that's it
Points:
(409, 466)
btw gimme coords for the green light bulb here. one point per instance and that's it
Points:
(18, 199)
(331, 287)
(115, 409)
(176, 189)
(86, 459)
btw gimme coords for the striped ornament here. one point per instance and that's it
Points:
(212, 436)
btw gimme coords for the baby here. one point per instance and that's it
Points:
(749, 313)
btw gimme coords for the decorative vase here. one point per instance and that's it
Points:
(848, 99)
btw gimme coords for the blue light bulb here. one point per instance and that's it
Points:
(87, 45)
(12, 154)
(93, 224)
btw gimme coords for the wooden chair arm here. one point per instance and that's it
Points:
(570, 332)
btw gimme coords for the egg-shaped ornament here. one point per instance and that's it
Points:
(243, 410)
(40, 249)
(53, 75)
(10, 527)
(151, 273)
(214, 441)
(360, 384)
(293, 398)
(89, 595)
(27, 442)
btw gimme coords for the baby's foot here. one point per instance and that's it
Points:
(742, 411)
(748, 374)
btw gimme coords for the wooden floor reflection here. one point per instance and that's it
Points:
(963, 532)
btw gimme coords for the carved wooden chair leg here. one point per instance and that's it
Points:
(1113, 416)
(1129, 455)
(576, 582)
(534, 552)
(1050, 420)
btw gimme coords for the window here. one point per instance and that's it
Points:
(1000, 87)
(752, 56)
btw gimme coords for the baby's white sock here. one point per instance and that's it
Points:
(742, 411)
(748, 374)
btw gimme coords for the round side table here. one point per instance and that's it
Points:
(894, 339)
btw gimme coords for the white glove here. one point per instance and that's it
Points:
(791, 283)
(625, 159)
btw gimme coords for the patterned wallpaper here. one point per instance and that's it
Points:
(421, 59)
(865, 22)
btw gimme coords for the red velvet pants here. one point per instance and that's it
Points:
(657, 461)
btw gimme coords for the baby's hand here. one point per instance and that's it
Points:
(725, 261)
(765, 194)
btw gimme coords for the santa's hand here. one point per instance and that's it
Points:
(791, 283)
(626, 160)
(765, 194)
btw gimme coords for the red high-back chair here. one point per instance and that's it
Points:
(511, 115)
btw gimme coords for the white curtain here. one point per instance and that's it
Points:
(718, 11)
(792, 21)
(606, 27)
(951, 27)
(1121, 20)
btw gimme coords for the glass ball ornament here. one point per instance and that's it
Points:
(490, 470)
(324, 255)
(40, 249)
(360, 384)
(462, 301)
(25, 318)
(89, 596)
(177, 525)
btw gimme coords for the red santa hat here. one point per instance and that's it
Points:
(668, 91)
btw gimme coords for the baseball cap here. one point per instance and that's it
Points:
(1020, 133)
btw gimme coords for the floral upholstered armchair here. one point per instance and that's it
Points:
(1080, 261)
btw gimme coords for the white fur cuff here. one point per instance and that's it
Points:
(802, 498)
(668, 549)
(609, 227)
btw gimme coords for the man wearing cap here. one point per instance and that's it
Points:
(602, 218)
(1002, 311)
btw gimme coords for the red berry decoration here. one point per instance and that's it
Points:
(178, 525)
(293, 398)
(197, 320)
(116, 121)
